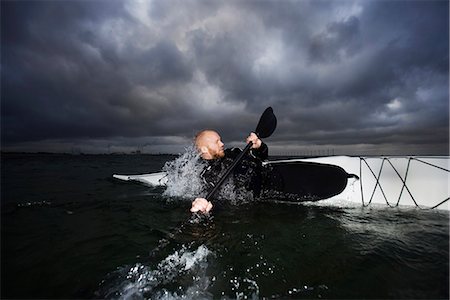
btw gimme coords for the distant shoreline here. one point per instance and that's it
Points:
(273, 156)
(79, 154)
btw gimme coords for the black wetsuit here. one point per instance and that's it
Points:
(247, 175)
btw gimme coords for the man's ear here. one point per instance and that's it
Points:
(204, 150)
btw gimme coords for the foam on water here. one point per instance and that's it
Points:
(142, 282)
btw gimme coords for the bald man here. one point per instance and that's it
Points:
(211, 149)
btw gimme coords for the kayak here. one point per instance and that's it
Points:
(287, 180)
(152, 179)
(418, 181)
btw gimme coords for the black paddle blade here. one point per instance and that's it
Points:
(267, 124)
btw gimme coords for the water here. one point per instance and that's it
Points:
(70, 231)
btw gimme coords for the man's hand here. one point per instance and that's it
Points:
(202, 205)
(255, 140)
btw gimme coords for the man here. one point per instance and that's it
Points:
(211, 149)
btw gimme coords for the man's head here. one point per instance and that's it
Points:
(209, 144)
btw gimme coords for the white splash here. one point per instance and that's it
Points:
(183, 175)
(141, 282)
(184, 180)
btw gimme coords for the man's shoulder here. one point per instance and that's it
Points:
(232, 152)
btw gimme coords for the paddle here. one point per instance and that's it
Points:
(266, 126)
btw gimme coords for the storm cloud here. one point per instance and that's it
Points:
(361, 77)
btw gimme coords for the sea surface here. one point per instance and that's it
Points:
(69, 230)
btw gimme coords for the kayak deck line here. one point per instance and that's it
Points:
(394, 181)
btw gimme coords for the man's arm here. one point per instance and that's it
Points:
(262, 152)
(259, 149)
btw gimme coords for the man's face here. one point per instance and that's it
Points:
(214, 144)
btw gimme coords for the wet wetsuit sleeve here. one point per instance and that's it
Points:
(262, 152)
(207, 175)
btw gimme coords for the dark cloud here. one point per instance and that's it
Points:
(339, 39)
(362, 75)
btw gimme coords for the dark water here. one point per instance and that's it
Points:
(68, 230)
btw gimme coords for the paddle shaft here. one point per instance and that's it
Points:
(229, 170)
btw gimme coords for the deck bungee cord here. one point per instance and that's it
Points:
(403, 179)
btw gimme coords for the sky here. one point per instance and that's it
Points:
(343, 77)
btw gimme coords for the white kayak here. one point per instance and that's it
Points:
(152, 179)
(420, 181)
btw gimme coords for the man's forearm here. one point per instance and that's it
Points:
(262, 152)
